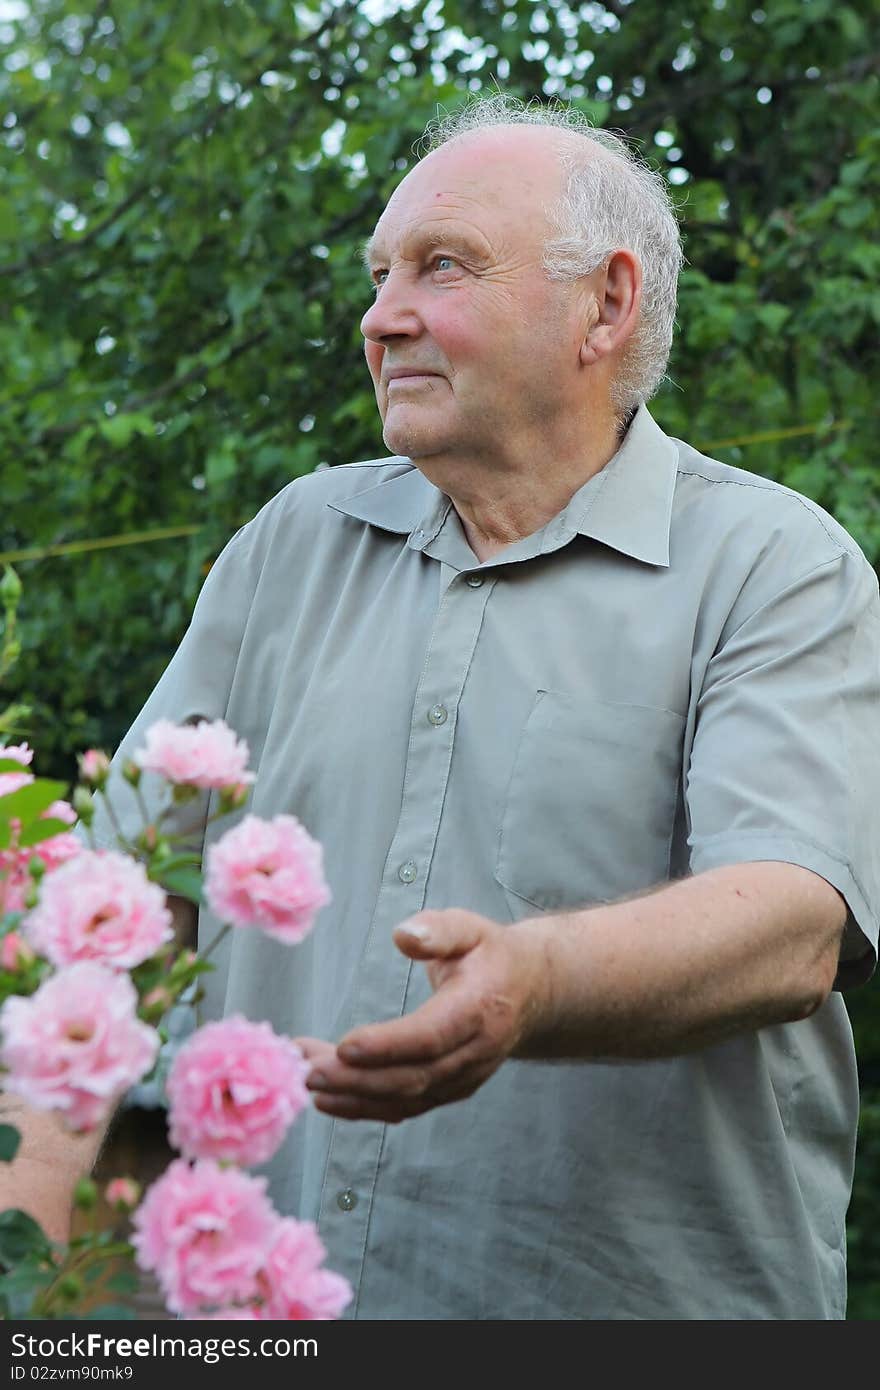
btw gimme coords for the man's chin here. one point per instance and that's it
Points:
(409, 443)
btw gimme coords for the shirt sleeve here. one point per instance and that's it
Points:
(785, 762)
(195, 685)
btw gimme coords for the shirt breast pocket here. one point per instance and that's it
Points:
(591, 801)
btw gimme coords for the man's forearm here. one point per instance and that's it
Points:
(687, 965)
(47, 1167)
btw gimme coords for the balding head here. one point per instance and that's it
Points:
(506, 359)
(608, 199)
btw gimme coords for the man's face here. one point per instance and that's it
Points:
(462, 299)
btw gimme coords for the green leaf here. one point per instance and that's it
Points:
(76, 446)
(851, 23)
(854, 171)
(20, 1286)
(188, 859)
(9, 1142)
(121, 429)
(221, 464)
(27, 805)
(598, 111)
(773, 316)
(118, 430)
(20, 1235)
(242, 296)
(378, 149)
(125, 1281)
(183, 883)
(115, 1311)
(43, 829)
(859, 213)
(31, 800)
(9, 220)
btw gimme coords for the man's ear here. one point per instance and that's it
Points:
(616, 302)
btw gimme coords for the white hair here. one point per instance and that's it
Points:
(607, 203)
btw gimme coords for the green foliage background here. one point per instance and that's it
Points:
(185, 188)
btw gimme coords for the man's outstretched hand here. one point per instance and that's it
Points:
(488, 990)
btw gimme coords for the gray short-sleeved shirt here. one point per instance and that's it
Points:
(680, 670)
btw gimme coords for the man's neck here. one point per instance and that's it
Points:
(500, 509)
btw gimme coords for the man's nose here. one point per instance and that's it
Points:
(393, 313)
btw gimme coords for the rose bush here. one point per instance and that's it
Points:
(88, 970)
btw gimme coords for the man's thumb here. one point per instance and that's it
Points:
(438, 935)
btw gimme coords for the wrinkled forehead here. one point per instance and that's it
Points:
(498, 180)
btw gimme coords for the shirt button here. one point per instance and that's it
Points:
(437, 714)
(474, 580)
(347, 1200)
(407, 872)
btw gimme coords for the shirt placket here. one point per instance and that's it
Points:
(355, 1148)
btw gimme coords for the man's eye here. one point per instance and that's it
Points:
(378, 280)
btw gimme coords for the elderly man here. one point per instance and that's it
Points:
(587, 726)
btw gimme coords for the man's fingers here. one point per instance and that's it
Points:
(357, 1108)
(437, 1028)
(402, 1082)
(392, 1111)
(313, 1049)
(440, 1053)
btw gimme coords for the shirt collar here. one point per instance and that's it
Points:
(626, 505)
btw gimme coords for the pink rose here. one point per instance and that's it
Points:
(198, 755)
(234, 1089)
(267, 874)
(123, 1194)
(248, 1312)
(55, 851)
(59, 848)
(14, 879)
(94, 767)
(292, 1283)
(15, 952)
(77, 1044)
(100, 906)
(205, 1231)
(60, 810)
(156, 1002)
(17, 753)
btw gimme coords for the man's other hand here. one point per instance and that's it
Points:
(487, 983)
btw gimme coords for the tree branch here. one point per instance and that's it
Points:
(53, 251)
